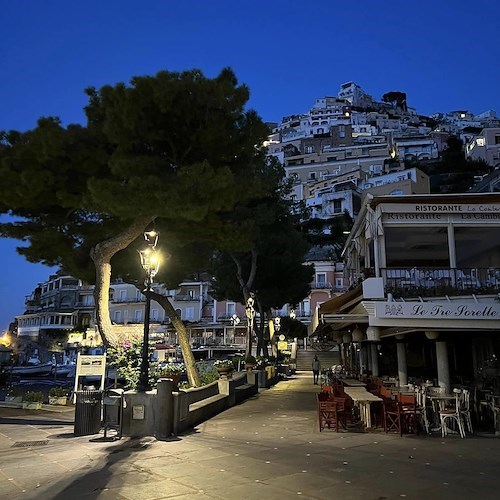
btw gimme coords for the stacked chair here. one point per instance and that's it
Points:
(400, 414)
(327, 412)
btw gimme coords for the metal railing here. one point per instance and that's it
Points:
(426, 281)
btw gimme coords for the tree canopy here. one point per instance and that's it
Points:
(396, 98)
(172, 149)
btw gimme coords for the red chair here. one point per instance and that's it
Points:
(327, 412)
(401, 415)
(343, 409)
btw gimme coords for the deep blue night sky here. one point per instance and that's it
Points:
(443, 54)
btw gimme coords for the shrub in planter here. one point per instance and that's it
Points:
(250, 362)
(33, 400)
(58, 396)
(172, 371)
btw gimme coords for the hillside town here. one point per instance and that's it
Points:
(346, 151)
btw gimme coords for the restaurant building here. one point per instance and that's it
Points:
(424, 301)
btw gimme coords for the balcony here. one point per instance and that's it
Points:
(321, 285)
(440, 282)
(187, 298)
(128, 300)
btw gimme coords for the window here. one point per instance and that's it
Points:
(137, 315)
(321, 280)
(88, 300)
(309, 149)
(497, 139)
(338, 282)
(312, 176)
(154, 314)
(123, 295)
(230, 308)
(117, 317)
(190, 313)
(337, 206)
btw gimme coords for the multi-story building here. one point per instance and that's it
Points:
(408, 181)
(485, 146)
(425, 272)
(60, 304)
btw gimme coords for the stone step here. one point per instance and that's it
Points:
(326, 358)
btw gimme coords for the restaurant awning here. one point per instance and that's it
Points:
(344, 310)
(342, 302)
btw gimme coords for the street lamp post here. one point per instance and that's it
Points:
(250, 314)
(150, 263)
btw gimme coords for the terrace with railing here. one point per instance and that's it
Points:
(440, 282)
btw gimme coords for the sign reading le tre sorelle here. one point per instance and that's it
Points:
(448, 310)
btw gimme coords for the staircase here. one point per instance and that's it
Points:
(326, 358)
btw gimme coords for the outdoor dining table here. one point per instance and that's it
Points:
(363, 399)
(352, 382)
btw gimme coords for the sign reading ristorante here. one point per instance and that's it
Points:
(439, 211)
(449, 310)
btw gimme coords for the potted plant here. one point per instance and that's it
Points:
(250, 362)
(224, 367)
(33, 400)
(171, 371)
(58, 396)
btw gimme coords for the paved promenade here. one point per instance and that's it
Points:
(269, 447)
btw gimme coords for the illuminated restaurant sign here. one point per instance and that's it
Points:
(438, 310)
(441, 212)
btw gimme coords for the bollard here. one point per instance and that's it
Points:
(164, 417)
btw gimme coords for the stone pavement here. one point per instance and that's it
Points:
(269, 447)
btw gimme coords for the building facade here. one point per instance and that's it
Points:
(425, 276)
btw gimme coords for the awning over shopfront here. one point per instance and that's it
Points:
(343, 311)
(343, 302)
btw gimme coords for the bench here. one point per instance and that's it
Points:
(195, 405)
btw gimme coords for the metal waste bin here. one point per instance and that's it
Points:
(113, 403)
(88, 412)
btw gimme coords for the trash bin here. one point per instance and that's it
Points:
(113, 403)
(88, 412)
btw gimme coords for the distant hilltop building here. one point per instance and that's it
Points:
(355, 95)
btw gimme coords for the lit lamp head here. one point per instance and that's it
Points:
(293, 315)
(150, 261)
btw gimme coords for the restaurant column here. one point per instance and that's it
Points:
(401, 354)
(443, 369)
(346, 342)
(373, 335)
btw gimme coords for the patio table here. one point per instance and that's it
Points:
(352, 382)
(363, 399)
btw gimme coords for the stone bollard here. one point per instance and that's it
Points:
(164, 411)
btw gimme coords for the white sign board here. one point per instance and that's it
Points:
(90, 365)
(138, 412)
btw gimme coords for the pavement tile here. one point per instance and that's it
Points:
(268, 447)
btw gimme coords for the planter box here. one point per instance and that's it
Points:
(32, 405)
(54, 400)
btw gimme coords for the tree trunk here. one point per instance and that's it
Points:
(246, 288)
(101, 254)
(187, 354)
(261, 343)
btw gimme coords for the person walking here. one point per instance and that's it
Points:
(316, 367)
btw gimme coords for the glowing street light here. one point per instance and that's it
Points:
(150, 262)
